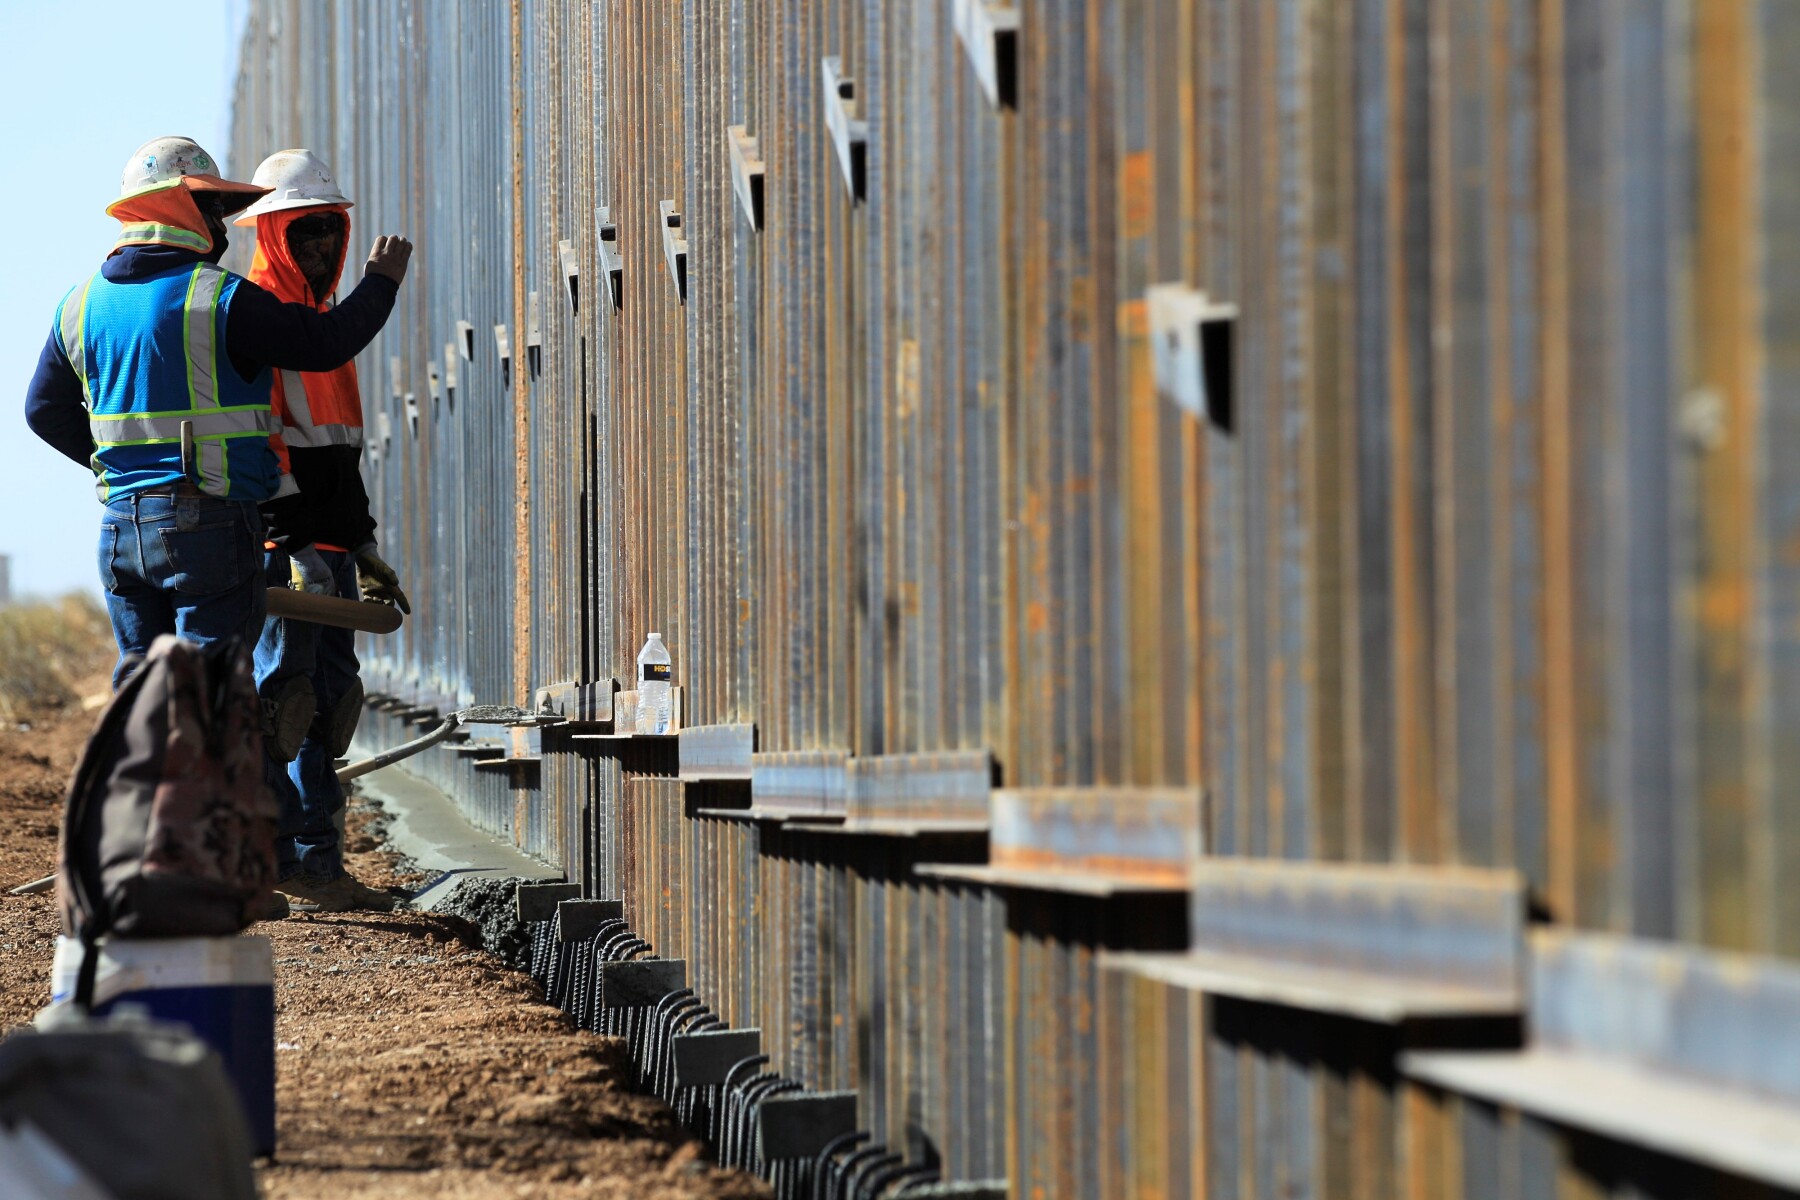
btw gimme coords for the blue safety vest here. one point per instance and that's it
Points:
(151, 357)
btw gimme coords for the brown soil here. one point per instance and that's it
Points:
(36, 760)
(410, 1063)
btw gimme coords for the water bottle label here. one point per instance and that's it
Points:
(655, 672)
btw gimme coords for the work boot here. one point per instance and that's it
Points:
(273, 907)
(343, 893)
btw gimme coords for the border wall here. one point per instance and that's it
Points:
(1233, 565)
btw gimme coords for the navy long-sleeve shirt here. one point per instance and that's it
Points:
(260, 332)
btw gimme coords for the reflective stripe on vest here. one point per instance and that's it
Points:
(72, 323)
(149, 233)
(202, 350)
(212, 462)
(293, 391)
(138, 429)
(301, 431)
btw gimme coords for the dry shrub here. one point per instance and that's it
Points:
(46, 647)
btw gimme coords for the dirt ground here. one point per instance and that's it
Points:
(410, 1063)
(36, 759)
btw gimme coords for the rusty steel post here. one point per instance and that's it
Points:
(1071, 446)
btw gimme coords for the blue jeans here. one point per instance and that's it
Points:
(307, 788)
(185, 565)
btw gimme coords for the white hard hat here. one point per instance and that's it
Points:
(295, 179)
(164, 161)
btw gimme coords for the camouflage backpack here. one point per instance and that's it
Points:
(169, 829)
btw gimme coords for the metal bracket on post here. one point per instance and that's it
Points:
(1096, 841)
(434, 382)
(579, 704)
(503, 345)
(450, 354)
(571, 269)
(412, 413)
(849, 134)
(800, 1126)
(804, 786)
(538, 901)
(396, 385)
(675, 247)
(747, 173)
(519, 767)
(1685, 1051)
(465, 336)
(1382, 943)
(579, 920)
(640, 982)
(522, 743)
(910, 795)
(612, 263)
(989, 33)
(534, 334)
(1192, 339)
(705, 1058)
(712, 752)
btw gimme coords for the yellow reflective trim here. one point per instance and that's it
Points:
(156, 441)
(205, 286)
(171, 441)
(212, 344)
(177, 412)
(72, 331)
(214, 481)
(187, 335)
(166, 427)
(139, 233)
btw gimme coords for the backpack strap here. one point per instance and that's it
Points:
(87, 973)
(81, 870)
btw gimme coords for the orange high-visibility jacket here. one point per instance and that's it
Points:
(318, 414)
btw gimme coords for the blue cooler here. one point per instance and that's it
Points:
(221, 988)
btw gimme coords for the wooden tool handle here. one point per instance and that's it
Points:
(365, 615)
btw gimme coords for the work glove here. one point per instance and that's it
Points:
(378, 581)
(389, 257)
(310, 574)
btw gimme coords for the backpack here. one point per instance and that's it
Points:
(141, 1108)
(169, 827)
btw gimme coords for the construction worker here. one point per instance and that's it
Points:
(156, 375)
(323, 543)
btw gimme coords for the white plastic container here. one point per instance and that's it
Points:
(656, 676)
(221, 988)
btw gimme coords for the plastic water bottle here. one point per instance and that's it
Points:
(656, 674)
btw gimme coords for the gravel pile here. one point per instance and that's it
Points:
(491, 906)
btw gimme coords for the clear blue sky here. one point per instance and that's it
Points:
(87, 82)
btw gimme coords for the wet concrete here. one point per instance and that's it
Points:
(426, 827)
